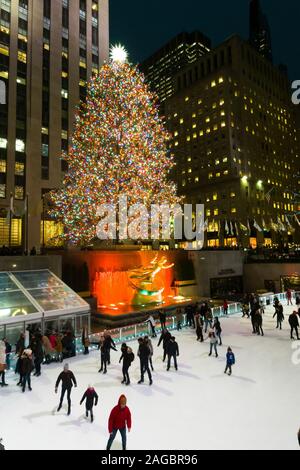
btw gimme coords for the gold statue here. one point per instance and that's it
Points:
(142, 281)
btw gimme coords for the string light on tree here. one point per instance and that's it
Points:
(119, 147)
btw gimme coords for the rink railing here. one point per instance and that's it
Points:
(132, 332)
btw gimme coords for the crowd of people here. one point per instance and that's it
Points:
(42, 349)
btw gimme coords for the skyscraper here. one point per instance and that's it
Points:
(260, 33)
(48, 51)
(235, 141)
(161, 67)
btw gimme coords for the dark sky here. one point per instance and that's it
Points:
(145, 25)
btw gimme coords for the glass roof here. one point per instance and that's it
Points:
(27, 292)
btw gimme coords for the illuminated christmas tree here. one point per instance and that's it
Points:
(119, 147)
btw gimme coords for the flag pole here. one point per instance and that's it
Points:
(43, 246)
(26, 224)
(10, 220)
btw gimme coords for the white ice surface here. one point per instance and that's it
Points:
(197, 407)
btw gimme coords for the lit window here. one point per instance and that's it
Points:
(215, 197)
(226, 172)
(64, 94)
(3, 143)
(222, 102)
(213, 84)
(194, 126)
(187, 98)
(208, 130)
(201, 133)
(207, 119)
(233, 210)
(19, 169)
(208, 212)
(232, 194)
(188, 138)
(189, 170)
(199, 101)
(217, 162)
(210, 176)
(181, 121)
(2, 166)
(214, 106)
(216, 211)
(2, 190)
(195, 135)
(175, 133)
(223, 124)
(225, 160)
(22, 57)
(176, 144)
(197, 179)
(20, 145)
(19, 192)
(215, 127)
(221, 80)
(218, 175)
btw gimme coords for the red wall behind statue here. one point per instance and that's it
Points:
(108, 272)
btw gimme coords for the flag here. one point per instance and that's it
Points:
(243, 227)
(268, 195)
(236, 228)
(297, 220)
(264, 225)
(288, 222)
(273, 226)
(255, 224)
(231, 228)
(248, 225)
(281, 225)
(12, 210)
(226, 227)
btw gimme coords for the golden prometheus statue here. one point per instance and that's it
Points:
(142, 280)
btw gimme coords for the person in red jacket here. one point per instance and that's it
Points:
(120, 416)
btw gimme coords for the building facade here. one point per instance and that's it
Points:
(236, 144)
(260, 33)
(161, 67)
(48, 51)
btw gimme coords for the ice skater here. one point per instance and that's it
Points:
(213, 343)
(258, 321)
(279, 314)
(230, 361)
(26, 367)
(294, 324)
(144, 353)
(91, 399)
(173, 352)
(128, 358)
(67, 378)
(164, 338)
(218, 330)
(108, 345)
(199, 327)
(289, 297)
(148, 342)
(2, 364)
(151, 323)
(119, 419)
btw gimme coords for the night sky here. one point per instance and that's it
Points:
(145, 25)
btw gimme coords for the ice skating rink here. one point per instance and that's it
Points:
(197, 407)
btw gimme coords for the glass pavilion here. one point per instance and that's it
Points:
(39, 299)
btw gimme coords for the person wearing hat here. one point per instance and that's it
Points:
(67, 378)
(26, 367)
(119, 418)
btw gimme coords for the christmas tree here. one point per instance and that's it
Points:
(119, 147)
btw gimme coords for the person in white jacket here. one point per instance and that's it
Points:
(2, 363)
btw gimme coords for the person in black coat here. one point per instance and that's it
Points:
(67, 379)
(128, 358)
(279, 314)
(37, 348)
(91, 399)
(199, 327)
(26, 367)
(294, 324)
(164, 338)
(144, 354)
(172, 351)
(108, 345)
(218, 330)
(162, 319)
(258, 321)
(253, 311)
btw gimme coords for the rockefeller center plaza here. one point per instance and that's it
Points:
(149, 228)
